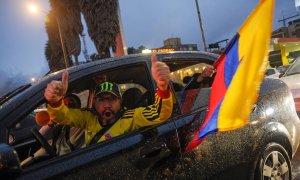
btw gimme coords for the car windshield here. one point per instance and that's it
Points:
(282, 69)
(294, 69)
(11, 94)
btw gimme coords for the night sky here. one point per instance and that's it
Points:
(148, 23)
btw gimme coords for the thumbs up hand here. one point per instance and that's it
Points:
(160, 73)
(56, 90)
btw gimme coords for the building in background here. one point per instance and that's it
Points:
(297, 4)
(294, 28)
(283, 51)
(280, 33)
(285, 44)
(174, 44)
(291, 31)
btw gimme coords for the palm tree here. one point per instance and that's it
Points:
(48, 55)
(68, 14)
(102, 20)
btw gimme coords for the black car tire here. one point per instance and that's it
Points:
(273, 162)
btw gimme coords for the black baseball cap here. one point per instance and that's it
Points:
(110, 87)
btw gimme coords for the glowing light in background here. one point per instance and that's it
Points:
(33, 79)
(146, 51)
(33, 8)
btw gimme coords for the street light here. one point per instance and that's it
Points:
(33, 79)
(34, 10)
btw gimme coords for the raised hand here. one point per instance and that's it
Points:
(208, 71)
(56, 90)
(160, 73)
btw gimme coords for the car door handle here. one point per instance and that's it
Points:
(151, 154)
(152, 150)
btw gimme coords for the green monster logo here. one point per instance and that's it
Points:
(106, 86)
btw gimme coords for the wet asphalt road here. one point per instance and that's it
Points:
(296, 166)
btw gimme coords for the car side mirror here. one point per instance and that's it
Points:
(280, 75)
(9, 161)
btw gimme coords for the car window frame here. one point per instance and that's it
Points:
(72, 80)
(33, 96)
(99, 150)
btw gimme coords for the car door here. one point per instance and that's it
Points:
(218, 151)
(148, 153)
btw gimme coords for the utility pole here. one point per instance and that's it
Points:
(201, 26)
(121, 48)
(61, 38)
(284, 19)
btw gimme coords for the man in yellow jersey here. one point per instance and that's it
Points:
(108, 120)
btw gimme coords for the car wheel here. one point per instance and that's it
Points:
(273, 163)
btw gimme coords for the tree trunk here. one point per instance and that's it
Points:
(76, 60)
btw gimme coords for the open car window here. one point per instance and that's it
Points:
(134, 95)
(190, 94)
(21, 130)
(137, 91)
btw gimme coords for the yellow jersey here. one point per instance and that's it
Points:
(133, 119)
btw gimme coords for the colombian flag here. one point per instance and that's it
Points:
(240, 70)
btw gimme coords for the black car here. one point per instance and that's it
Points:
(261, 150)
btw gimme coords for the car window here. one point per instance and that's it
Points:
(282, 69)
(136, 92)
(83, 96)
(183, 75)
(294, 68)
(134, 95)
(189, 93)
(22, 130)
(127, 86)
(270, 72)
